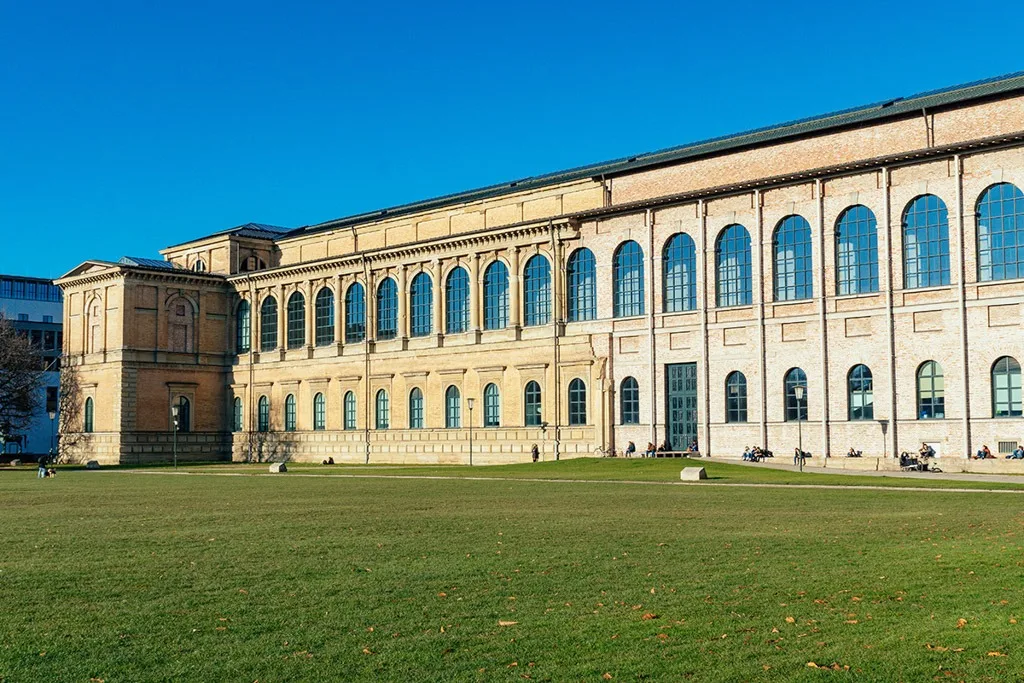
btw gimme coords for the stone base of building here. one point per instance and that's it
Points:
(1000, 465)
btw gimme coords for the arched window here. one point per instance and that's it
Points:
(1000, 215)
(243, 327)
(349, 409)
(736, 397)
(89, 416)
(289, 413)
(1006, 388)
(732, 267)
(416, 409)
(796, 395)
(629, 401)
(324, 317)
(268, 324)
(492, 406)
(355, 313)
(931, 391)
(383, 410)
(319, 412)
(237, 416)
(452, 408)
(199, 266)
(296, 320)
(537, 291)
(581, 274)
(794, 273)
(861, 393)
(679, 274)
(925, 243)
(387, 310)
(628, 280)
(457, 301)
(184, 414)
(577, 402)
(531, 404)
(180, 325)
(421, 300)
(856, 251)
(496, 296)
(263, 414)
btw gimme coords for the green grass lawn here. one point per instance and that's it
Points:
(119, 576)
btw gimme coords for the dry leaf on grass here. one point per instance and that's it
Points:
(961, 622)
(648, 616)
(502, 622)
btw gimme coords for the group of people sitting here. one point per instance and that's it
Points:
(652, 450)
(986, 454)
(756, 454)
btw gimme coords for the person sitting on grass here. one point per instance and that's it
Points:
(1018, 454)
(747, 453)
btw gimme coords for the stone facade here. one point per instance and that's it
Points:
(146, 336)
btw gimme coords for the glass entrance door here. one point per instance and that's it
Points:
(681, 409)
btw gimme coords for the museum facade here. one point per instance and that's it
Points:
(851, 280)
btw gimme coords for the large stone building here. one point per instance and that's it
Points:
(852, 280)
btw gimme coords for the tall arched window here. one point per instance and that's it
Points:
(387, 310)
(537, 291)
(861, 393)
(355, 313)
(794, 273)
(931, 391)
(577, 402)
(856, 251)
(492, 406)
(732, 267)
(629, 401)
(263, 414)
(736, 397)
(421, 305)
(184, 414)
(925, 243)
(452, 408)
(796, 395)
(628, 280)
(581, 275)
(296, 320)
(457, 301)
(679, 274)
(237, 416)
(349, 410)
(324, 317)
(496, 296)
(1006, 388)
(243, 327)
(383, 410)
(1000, 215)
(289, 413)
(416, 409)
(268, 324)
(319, 412)
(90, 414)
(531, 404)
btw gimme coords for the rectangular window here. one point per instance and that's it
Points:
(47, 318)
(23, 317)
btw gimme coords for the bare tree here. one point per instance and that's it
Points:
(70, 435)
(20, 380)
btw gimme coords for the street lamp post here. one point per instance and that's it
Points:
(53, 417)
(469, 404)
(798, 393)
(174, 434)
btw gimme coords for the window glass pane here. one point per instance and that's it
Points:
(796, 409)
(856, 251)
(581, 277)
(296, 320)
(925, 243)
(732, 267)
(577, 402)
(452, 408)
(319, 412)
(324, 317)
(861, 394)
(492, 406)
(794, 274)
(350, 410)
(930, 391)
(355, 314)
(496, 296)
(289, 413)
(387, 310)
(268, 324)
(537, 291)
(629, 399)
(243, 327)
(736, 397)
(1006, 388)
(416, 409)
(383, 410)
(457, 301)
(263, 414)
(531, 401)
(421, 296)
(628, 280)
(679, 269)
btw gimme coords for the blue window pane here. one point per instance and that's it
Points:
(796, 408)
(736, 397)
(421, 305)
(1000, 216)
(732, 267)
(1006, 388)
(794, 273)
(383, 410)
(243, 327)
(296, 320)
(319, 412)
(268, 324)
(492, 406)
(629, 402)
(679, 268)
(355, 313)
(496, 296)
(582, 279)
(861, 393)
(925, 243)
(531, 402)
(452, 408)
(289, 413)
(457, 301)
(931, 391)
(577, 402)
(537, 291)
(350, 410)
(387, 310)
(324, 317)
(628, 280)
(416, 409)
(263, 414)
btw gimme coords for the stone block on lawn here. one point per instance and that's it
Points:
(92, 465)
(278, 467)
(693, 474)
(15, 463)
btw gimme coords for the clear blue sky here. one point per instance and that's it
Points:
(130, 126)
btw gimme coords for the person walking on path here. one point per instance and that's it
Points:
(42, 467)
(535, 452)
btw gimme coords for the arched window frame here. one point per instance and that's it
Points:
(931, 391)
(457, 301)
(383, 415)
(925, 243)
(268, 324)
(736, 397)
(355, 313)
(324, 317)
(184, 415)
(793, 273)
(349, 411)
(492, 405)
(243, 327)
(387, 309)
(629, 401)
(679, 274)
(860, 393)
(421, 305)
(532, 409)
(296, 320)
(416, 408)
(319, 412)
(1000, 218)
(1006, 387)
(452, 407)
(89, 423)
(496, 296)
(628, 280)
(237, 415)
(290, 417)
(796, 410)
(577, 402)
(733, 283)
(856, 251)
(537, 291)
(581, 277)
(263, 414)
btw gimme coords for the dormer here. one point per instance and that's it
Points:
(245, 248)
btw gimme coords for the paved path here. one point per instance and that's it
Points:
(951, 476)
